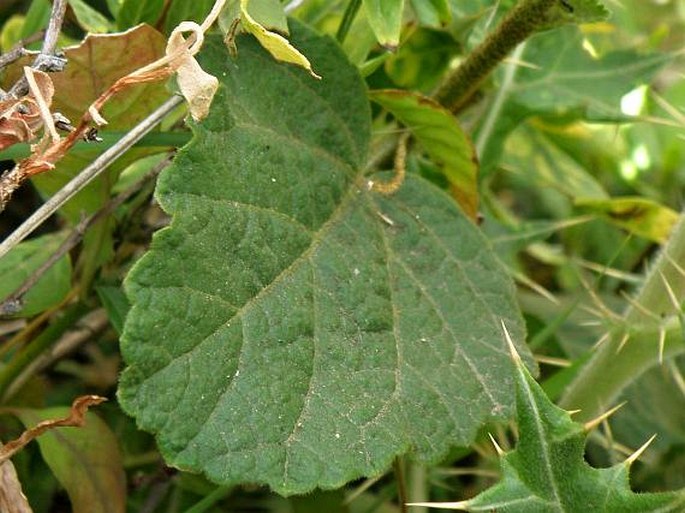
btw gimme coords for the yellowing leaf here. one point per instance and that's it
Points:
(639, 216)
(443, 139)
(274, 43)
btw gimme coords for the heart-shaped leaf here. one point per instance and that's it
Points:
(292, 327)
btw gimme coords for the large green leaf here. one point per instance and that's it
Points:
(292, 327)
(547, 472)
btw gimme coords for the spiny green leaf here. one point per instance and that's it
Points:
(132, 12)
(547, 472)
(292, 327)
(441, 136)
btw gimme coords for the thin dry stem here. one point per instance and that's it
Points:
(13, 303)
(88, 174)
(394, 184)
(46, 60)
(86, 328)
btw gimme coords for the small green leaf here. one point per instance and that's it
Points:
(23, 261)
(432, 13)
(114, 6)
(268, 13)
(385, 18)
(36, 18)
(85, 460)
(90, 19)
(274, 43)
(289, 317)
(441, 136)
(640, 216)
(181, 10)
(576, 11)
(530, 153)
(133, 12)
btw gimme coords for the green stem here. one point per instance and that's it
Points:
(41, 343)
(348, 18)
(154, 139)
(418, 489)
(210, 500)
(401, 480)
(522, 21)
(612, 367)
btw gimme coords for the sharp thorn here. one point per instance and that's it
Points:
(623, 342)
(499, 450)
(442, 505)
(512, 349)
(592, 424)
(631, 459)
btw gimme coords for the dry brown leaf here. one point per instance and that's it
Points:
(197, 86)
(12, 499)
(20, 119)
(76, 418)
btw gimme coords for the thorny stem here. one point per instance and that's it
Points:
(87, 175)
(522, 21)
(610, 370)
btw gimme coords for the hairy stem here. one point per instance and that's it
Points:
(522, 21)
